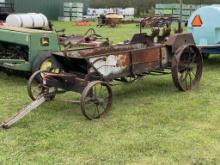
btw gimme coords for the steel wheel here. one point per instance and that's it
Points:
(96, 100)
(36, 89)
(187, 67)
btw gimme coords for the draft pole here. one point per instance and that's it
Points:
(181, 17)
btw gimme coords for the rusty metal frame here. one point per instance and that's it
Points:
(135, 66)
(142, 54)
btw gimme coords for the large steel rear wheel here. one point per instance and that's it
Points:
(187, 67)
(96, 100)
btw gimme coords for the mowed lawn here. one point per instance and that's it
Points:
(151, 122)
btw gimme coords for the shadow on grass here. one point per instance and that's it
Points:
(152, 87)
(212, 62)
(147, 86)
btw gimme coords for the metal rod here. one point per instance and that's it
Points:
(181, 11)
(140, 27)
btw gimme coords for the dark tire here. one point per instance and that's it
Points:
(43, 57)
(187, 67)
(96, 100)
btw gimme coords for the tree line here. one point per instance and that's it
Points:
(142, 6)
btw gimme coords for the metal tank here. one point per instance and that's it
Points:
(29, 20)
(204, 24)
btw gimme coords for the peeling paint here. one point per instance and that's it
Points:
(111, 64)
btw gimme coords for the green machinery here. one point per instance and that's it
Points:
(22, 49)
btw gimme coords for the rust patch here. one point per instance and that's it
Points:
(102, 51)
(123, 60)
(147, 56)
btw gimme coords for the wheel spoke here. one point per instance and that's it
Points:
(97, 110)
(35, 90)
(95, 92)
(189, 57)
(194, 74)
(183, 79)
(100, 90)
(89, 101)
(103, 106)
(181, 76)
(190, 77)
(182, 65)
(186, 83)
(194, 58)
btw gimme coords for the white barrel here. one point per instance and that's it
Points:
(29, 20)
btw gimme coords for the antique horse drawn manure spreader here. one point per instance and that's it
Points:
(90, 71)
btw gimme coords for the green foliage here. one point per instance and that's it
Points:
(150, 123)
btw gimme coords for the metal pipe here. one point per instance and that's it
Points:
(181, 15)
(181, 11)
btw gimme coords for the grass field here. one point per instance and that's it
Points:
(150, 122)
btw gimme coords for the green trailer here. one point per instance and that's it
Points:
(24, 49)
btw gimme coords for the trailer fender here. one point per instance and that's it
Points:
(178, 40)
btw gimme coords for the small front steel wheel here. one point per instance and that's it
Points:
(36, 89)
(187, 67)
(96, 100)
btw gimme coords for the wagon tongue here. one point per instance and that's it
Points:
(24, 112)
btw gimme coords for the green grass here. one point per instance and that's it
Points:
(150, 122)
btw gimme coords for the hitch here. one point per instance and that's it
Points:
(24, 112)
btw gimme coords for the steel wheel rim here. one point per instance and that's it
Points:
(187, 68)
(35, 89)
(96, 100)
